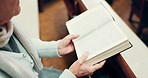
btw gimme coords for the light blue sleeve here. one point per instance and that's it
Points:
(4, 75)
(46, 48)
(55, 73)
(67, 74)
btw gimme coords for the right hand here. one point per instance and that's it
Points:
(79, 68)
(66, 45)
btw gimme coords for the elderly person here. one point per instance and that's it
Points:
(20, 56)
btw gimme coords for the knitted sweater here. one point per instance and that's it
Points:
(10, 63)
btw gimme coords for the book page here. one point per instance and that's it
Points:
(85, 23)
(100, 40)
(98, 31)
(91, 3)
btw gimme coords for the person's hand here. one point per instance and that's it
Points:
(79, 68)
(66, 45)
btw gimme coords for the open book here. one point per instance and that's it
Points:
(99, 35)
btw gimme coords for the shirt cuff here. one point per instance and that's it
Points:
(46, 49)
(67, 74)
(58, 48)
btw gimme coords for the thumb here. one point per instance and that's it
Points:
(83, 57)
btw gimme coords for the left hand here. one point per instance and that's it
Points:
(79, 68)
(66, 45)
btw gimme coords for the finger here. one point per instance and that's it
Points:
(83, 57)
(71, 37)
(98, 66)
(75, 36)
(66, 40)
